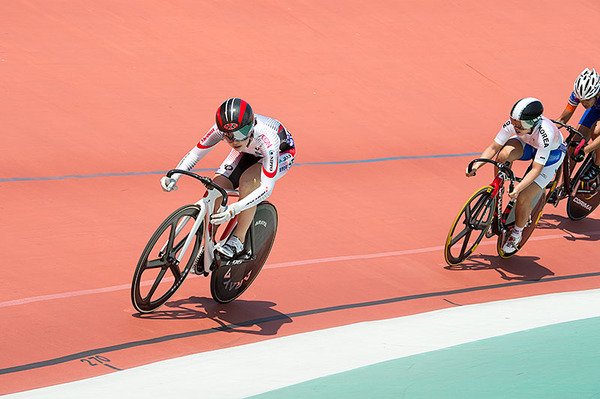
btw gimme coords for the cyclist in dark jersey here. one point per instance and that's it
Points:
(586, 91)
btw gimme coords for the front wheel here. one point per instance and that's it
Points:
(232, 278)
(158, 267)
(469, 227)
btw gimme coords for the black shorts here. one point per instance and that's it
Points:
(233, 167)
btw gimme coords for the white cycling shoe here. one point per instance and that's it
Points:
(511, 245)
(231, 248)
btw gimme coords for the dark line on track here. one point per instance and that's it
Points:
(162, 172)
(229, 327)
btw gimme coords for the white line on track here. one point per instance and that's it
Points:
(71, 294)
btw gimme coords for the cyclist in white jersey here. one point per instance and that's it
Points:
(527, 135)
(262, 152)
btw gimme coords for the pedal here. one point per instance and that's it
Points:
(239, 258)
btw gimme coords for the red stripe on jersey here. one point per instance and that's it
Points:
(271, 174)
(203, 147)
(290, 151)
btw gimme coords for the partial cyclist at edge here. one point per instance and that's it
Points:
(262, 151)
(526, 136)
(586, 91)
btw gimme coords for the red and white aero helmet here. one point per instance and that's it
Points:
(235, 118)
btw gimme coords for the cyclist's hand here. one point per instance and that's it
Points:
(578, 156)
(513, 194)
(225, 215)
(168, 183)
(471, 173)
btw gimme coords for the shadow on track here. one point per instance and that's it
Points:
(588, 227)
(524, 268)
(238, 316)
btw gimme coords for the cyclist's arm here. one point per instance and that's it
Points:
(488, 153)
(593, 145)
(204, 146)
(569, 109)
(260, 194)
(566, 114)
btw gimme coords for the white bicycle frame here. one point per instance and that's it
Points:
(207, 206)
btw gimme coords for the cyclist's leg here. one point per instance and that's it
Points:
(513, 150)
(250, 181)
(523, 206)
(589, 127)
(228, 176)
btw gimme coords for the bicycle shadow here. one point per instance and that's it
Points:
(523, 268)
(588, 228)
(238, 316)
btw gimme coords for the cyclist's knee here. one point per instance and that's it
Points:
(503, 156)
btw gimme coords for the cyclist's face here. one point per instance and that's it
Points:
(519, 128)
(234, 143)
(587, 104)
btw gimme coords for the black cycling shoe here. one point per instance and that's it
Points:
(591, 173)
(553, 198)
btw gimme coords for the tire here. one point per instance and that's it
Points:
(162, 273)
(584, 198)
(536, 214)
(232, 278)
(475, 216)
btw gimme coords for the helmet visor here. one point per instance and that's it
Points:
(523, 124)
(240, 134)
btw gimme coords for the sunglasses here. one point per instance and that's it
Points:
(239, 135)
(522, 125)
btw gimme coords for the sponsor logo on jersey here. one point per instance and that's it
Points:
(265, 140)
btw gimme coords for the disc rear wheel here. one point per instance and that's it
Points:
(232, 278)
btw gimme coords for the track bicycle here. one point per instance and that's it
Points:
(483, 215)
(186, 241)
(582, 196)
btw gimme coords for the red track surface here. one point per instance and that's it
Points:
(96, 87)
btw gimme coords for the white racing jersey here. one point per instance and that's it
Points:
(269, 140)
(544, 138)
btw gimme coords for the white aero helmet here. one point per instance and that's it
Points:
(528, 111)
(587, 84)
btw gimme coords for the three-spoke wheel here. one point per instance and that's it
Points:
(159, 273)
(469, 227)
